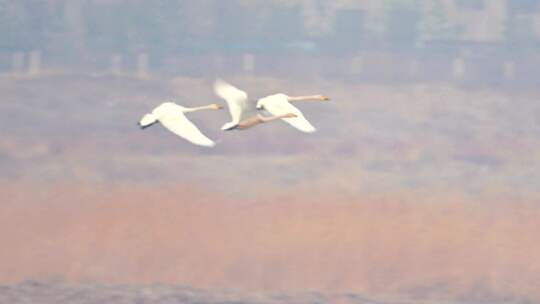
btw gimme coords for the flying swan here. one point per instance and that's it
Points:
(237, 101)
(171, 116)
(280, 104)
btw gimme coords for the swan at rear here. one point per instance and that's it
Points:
(280, 104)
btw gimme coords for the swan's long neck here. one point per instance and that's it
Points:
(307, 97)
(194, 109)
(268, 119)
(271, 118)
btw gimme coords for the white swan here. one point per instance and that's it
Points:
(171, 116)
(236, 100)
(280, 104)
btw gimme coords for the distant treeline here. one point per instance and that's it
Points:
(161, 27)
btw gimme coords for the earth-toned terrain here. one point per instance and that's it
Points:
(418, 193)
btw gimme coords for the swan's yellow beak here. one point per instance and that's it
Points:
(217, 107)
(324, 98)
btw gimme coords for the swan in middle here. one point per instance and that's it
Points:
(237, 100)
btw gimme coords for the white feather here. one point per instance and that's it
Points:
(236, 101)
(172, 117)
(279, 104)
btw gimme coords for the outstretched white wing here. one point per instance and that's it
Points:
(279, 104)
(236, 100)
(177, 123)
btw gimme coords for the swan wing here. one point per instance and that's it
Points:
(236, 99)
(279, 105)
(179, 124)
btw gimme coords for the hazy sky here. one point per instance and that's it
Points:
(72, 27)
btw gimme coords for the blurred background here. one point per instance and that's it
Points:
(421, 183)
(490, 42)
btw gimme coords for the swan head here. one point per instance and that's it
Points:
(229, 126)
(147, 120)
(323, 98)
(216, 106)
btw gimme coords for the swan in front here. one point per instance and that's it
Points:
(172, 117)
(237, 101)
(280, 104)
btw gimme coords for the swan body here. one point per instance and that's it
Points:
(172, 117)
(236, 101)
(280, 104)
